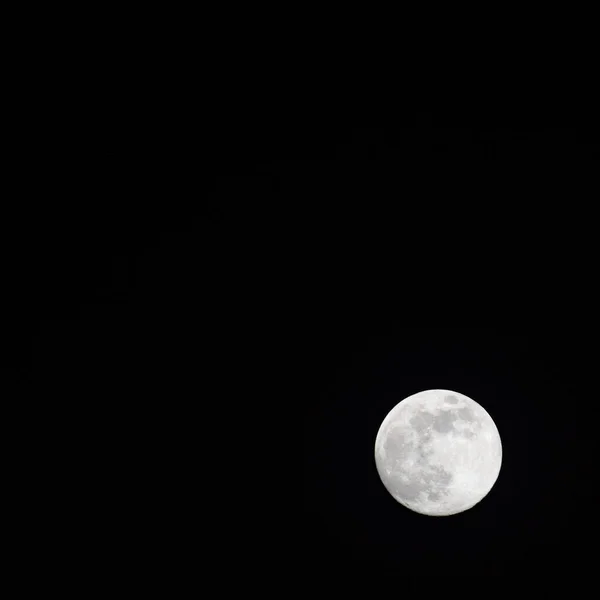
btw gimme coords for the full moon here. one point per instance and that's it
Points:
(438, 452)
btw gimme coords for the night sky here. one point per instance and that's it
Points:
(376, 262)
(465, 266)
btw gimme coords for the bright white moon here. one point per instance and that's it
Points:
(438, 452)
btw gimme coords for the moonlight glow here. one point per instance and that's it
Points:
(438, 452)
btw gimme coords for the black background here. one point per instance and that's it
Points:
(478, 282)
(169, 256)
(182, 238)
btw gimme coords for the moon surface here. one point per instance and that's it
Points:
(438, 452)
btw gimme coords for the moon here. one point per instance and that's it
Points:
(438, 452)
